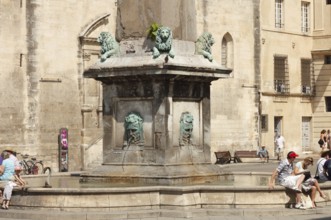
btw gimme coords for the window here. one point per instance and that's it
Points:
(328, 103)
(264, 122)
(224, 52)
(305, 17)
(21, 59)
(327, 59)
(306, 132)
(306, 70)
(279, 10)
(281, 78)
(227, 51)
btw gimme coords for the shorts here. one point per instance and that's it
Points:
(290, 181)
(307, 185)
(279, 149)
(262, 154)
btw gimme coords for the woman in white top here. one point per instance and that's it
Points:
(310, 183)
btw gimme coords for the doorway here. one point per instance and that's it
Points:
(278, 125)
(306, 133)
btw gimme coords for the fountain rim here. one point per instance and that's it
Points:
(157, 188)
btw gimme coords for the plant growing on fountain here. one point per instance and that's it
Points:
(152, 31)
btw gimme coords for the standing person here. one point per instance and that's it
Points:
(280, 145)
(320, 173)
(12, 156)
(309, 184)
(322, 141)
(7, 192)
(328, 139)
(9, 168)
(287, 178)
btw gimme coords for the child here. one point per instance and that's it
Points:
(18, 177)
(7, 194)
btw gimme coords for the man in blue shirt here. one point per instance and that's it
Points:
(287, 178)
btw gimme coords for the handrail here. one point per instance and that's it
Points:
(94, 142)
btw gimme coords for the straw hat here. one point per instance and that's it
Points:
(10, 150)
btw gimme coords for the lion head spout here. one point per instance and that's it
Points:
(186, 128)
(163, 42)
(134, 132)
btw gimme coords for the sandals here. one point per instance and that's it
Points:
(324, 196)
(296, 189)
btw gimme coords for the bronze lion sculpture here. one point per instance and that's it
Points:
(203, 45)
(163, 42)
(109, 46)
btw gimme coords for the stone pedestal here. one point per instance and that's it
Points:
(156, 116)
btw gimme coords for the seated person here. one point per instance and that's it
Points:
(320, 171)
(310, 184)
(18, 178)
(327, 169)
(263, 153)
(287, 177)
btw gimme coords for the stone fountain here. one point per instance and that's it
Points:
(156, 108)
(156, 149)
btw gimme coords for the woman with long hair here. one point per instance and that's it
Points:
(309, 184)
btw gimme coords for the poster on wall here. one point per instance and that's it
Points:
(63, 150)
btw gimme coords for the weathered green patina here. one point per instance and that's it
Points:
(109, 46)
(134, 133)
(186, 128)
(163, 43)
(203, 45)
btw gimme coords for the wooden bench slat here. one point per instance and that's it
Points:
(223, 157)
(246, 154)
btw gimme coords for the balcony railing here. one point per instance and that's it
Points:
(305, 29)
(280, 86)
(306, 90)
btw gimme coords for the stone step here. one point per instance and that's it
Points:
(165, 214)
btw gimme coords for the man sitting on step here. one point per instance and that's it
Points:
(287, 178)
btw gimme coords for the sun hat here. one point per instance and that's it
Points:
(10, 150)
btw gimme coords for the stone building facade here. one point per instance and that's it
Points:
(295, 43)
(47, 45)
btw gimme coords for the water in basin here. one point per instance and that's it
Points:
(74, 182)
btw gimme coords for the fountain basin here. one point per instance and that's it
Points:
(237, 194)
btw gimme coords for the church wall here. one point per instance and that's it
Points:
(45, 94)
(233, 101)
(13, 76)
